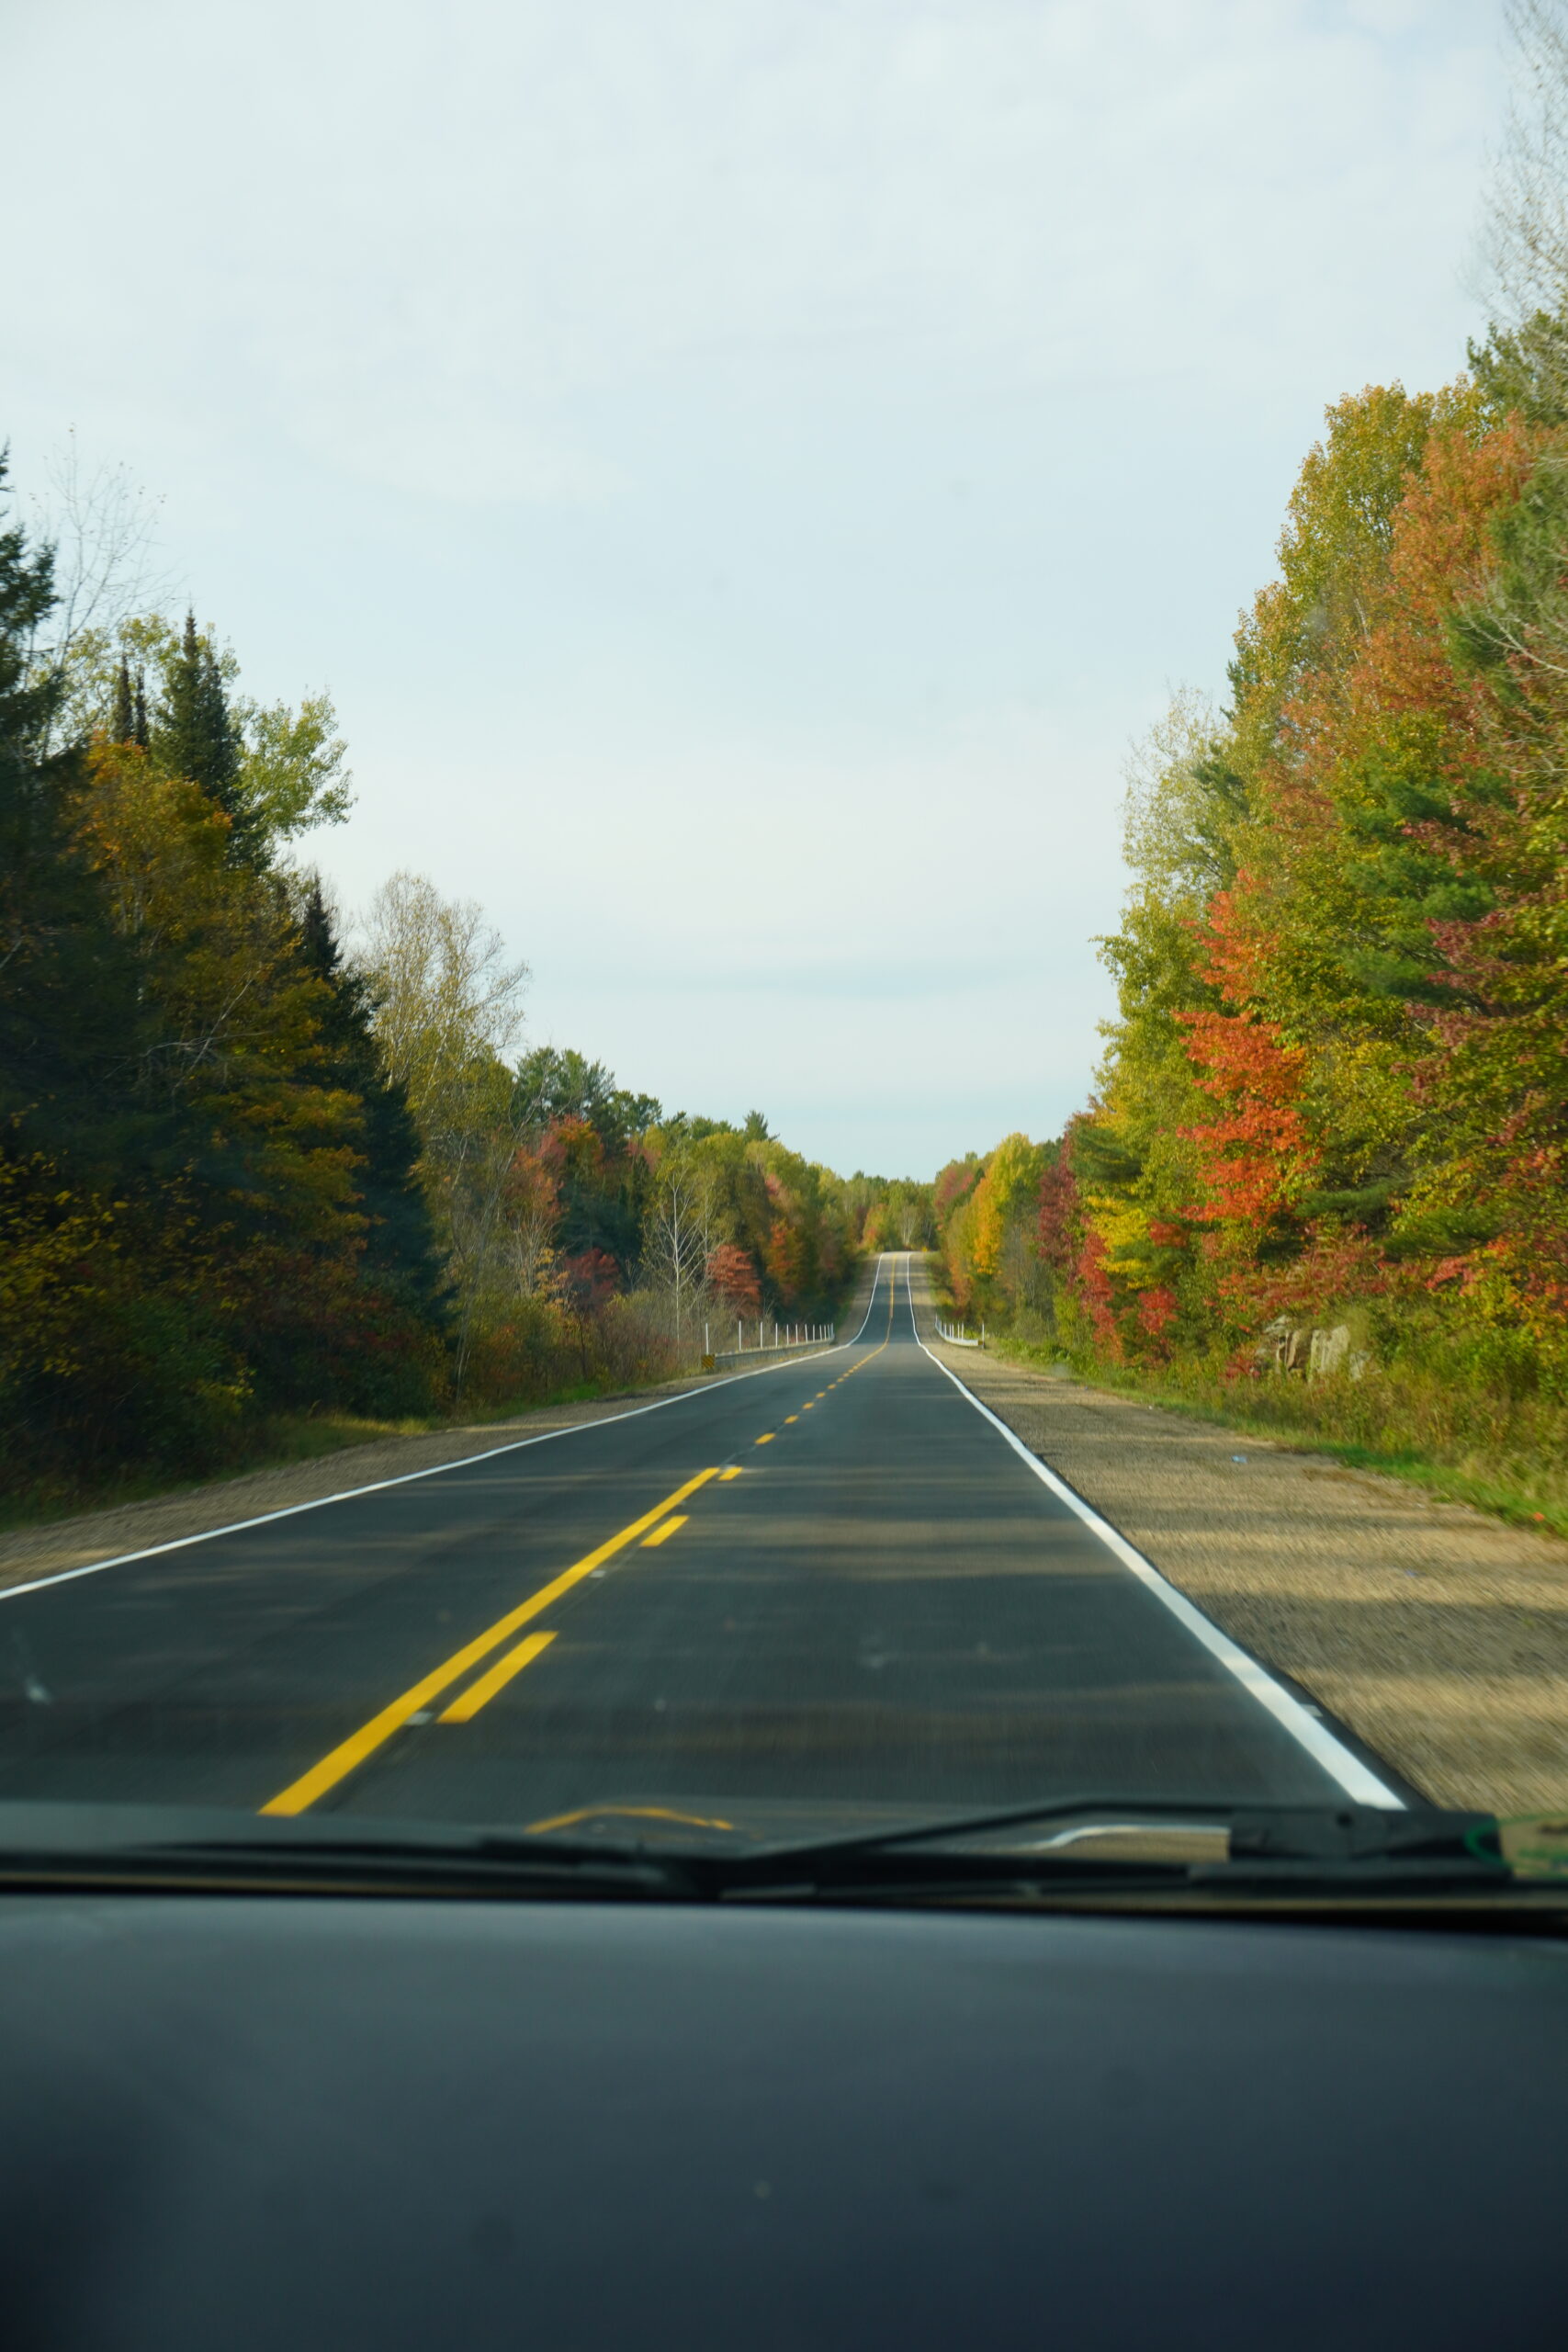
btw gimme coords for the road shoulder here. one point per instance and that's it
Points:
(1440, 1636)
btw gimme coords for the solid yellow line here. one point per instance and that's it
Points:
(733, 1473)
(662, 1534)
(341, 1761)
(468, 1703)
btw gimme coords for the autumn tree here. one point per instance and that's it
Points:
(680, 1241)
(733, 1276)
(448, 1006)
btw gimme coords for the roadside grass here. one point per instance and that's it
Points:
(1505, 1455)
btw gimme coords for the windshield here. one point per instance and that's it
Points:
(615, 568)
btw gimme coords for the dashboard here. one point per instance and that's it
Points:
(273, 2120)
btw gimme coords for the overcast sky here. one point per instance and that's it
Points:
(744, 467)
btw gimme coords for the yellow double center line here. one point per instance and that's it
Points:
(352, 1752)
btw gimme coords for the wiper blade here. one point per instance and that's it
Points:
(50, 1845)
(1298, 1832)
(1084, 1852)
(485, 1866)
(1218, 1850)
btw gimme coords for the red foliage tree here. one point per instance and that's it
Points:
(787, 1258)
(1058, 1220)
(733, 1275)
(591, 1280)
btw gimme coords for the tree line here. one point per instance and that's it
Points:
(254, 1170)
(1335, 1095)
(1327, 1150)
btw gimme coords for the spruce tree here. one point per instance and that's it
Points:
(123, 726)
(400, 1262)
(195, 734)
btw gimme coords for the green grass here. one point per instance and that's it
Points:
(1505, 1455)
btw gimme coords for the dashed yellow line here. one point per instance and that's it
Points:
(811, 1403)
(655, 1526)
(350, 1753)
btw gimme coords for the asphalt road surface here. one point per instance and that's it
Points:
(834, 1584)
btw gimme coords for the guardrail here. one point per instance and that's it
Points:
(957, 1338)
(810, 1335)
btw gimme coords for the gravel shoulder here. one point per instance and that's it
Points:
(1438, 1635)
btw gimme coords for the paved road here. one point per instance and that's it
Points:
(834, 1583)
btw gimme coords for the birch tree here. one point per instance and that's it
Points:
(681, 1237)
(450, 1006)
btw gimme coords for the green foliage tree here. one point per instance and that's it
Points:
(291, 773)
(284, 765)
(205, 1207)
(242, 1174)
(404, 1292)
(195, 734)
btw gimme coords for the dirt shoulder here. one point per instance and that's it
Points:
(1438, 1635)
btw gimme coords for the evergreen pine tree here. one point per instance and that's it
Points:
(139, 718)
(123, 726)
(195, 735)
(401, 1260)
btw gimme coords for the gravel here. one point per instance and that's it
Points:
(1438, 1635)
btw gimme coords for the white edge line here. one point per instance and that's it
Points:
(1354, 1777)
(407, 1477)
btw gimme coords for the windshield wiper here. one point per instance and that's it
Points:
(1085, 1853)
(168, 1849)
(1184, 1855)
(1296, 1833)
